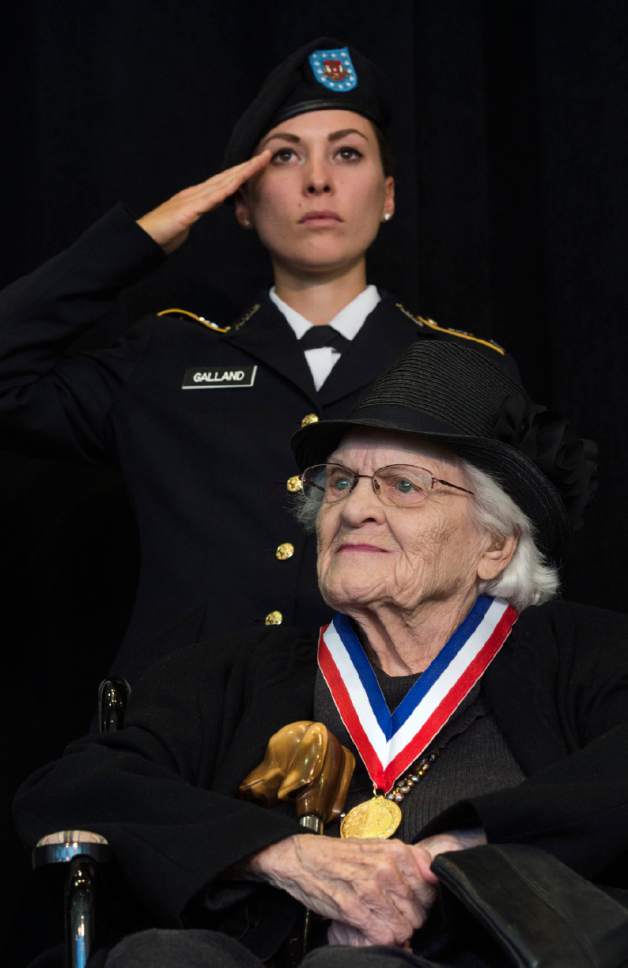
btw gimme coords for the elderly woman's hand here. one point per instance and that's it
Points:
(382, 889)
(169, 224)
(342, 933)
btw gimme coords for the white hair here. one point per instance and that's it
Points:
(527, 580)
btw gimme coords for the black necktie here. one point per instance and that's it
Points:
(317, 336)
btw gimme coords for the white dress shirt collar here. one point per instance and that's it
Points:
(348, 321)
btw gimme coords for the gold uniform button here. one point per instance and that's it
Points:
(273, 618)
(308, 419)
(294, 484)
(284, 551)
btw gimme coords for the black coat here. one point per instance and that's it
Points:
(206, 469)
(163, 790)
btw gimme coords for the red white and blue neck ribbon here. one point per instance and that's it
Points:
(389, 743)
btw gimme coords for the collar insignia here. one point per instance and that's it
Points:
(243, 320)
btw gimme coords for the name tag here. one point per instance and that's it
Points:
(219, 377)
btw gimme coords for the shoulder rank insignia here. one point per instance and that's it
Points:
(198, 319)
(430, 324)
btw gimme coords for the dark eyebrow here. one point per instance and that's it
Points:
(294, 139)
(284, 135)
(337, 135)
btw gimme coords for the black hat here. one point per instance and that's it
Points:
(458, 396)
(321, 75)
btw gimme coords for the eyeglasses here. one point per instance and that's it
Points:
(398, 485)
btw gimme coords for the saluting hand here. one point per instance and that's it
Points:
(169, 224)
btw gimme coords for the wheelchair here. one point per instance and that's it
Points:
(605, 913)
(83, 850)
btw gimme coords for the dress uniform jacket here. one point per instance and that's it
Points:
(199, 422)
(164, 790)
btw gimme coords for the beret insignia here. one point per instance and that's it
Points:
(334, 69)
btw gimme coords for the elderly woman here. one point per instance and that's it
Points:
(479, 711)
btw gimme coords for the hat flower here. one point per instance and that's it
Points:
(569, 461)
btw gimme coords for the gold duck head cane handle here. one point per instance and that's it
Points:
(304, 763)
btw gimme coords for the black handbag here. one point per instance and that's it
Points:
(510, 905)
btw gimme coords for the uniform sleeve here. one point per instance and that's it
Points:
(51, 403)
(148, 788)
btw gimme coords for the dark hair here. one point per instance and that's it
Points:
(386, 150)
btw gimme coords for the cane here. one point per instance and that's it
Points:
(304, 763)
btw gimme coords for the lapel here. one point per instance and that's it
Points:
(266, 336)
(385, 334)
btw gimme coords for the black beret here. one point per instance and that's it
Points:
(323, 74)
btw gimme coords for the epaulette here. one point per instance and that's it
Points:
(198, 319)
(422, 321)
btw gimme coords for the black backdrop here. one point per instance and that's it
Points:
(512, 221)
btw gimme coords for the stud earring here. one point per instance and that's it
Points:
(387, 217)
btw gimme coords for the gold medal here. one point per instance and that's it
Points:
(378, 817)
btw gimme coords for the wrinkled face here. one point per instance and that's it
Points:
(371, 555)
(320, 201)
